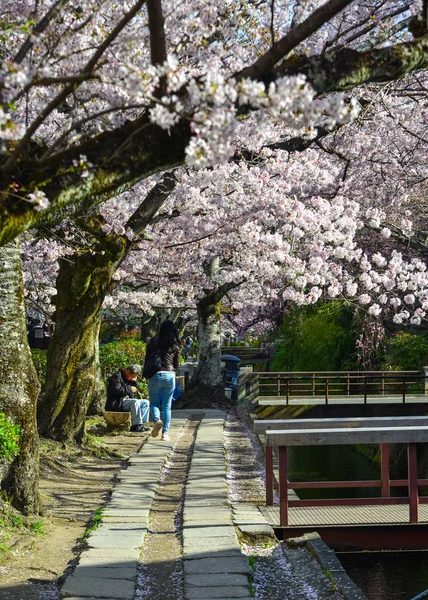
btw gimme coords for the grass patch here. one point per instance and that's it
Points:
(94, 522)
(13, 525)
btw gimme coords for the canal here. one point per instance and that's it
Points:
(397, 575)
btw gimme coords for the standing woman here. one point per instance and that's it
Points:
(162, 384)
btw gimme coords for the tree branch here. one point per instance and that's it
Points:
(39, 28)
(347, 68)
(297, 35)
(158, 53)
(152, 203)
(69, 88)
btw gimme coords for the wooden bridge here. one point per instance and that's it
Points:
(348, 522)
(335, 387)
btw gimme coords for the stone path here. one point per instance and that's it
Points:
(213, 565)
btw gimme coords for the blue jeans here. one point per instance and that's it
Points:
(162, 384)
(139, 409)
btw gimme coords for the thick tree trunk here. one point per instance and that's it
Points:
(96, 407)
(83, 282)
(82, 285)
(149, 327)
(206, 387)
(19, 386)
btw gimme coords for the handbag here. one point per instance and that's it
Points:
(153, 364)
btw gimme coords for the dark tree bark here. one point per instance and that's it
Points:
(96, 407)
(82, 284)
(19, 386)
(73, 374)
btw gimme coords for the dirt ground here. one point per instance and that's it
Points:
(73, 485)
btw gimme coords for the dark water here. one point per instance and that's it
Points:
(380, 575)
(388, 575)
(331, 463)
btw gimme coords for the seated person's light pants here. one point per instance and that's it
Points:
(163, 383)
(139, 410)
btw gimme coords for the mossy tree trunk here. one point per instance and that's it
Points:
(82, 284)
(84, 280)
(206, 387)
(19, 386)
(96, 407)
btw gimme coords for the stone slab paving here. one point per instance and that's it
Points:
(214, 566)
(108, 568)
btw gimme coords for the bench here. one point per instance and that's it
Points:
(117, 421)
(321, 432)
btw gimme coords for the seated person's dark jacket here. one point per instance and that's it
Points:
(118, 388)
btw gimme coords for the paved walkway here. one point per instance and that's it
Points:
(213, 564)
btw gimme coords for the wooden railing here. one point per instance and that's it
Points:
(327, 384)
(322, 432)
(247, 353)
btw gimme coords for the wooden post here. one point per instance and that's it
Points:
(283, 486)
(287, 391)
(404, 391)
(348, 386)
(278, 385)
(413, 482)
(384, 470)
(425, 374)
(313, 384)
(382, 385)
(365, 390)
(326, 391)
(269, 475)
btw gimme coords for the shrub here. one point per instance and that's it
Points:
(407, 351)
(40, 363)
(9, 438)
(117, 355)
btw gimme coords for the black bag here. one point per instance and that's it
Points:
(153, 364)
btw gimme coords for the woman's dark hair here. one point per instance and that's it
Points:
(168, 335)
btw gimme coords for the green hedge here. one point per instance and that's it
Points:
(407, 351)
(117, 355)
(113, 356)
(9, 437)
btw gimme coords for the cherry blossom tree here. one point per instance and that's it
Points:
(96, 96)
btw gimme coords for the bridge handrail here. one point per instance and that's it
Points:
(264, 425)
(324, 383)
(345, 435)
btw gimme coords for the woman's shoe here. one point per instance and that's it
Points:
(156, 428)
(166, 437)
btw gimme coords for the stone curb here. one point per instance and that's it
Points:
(329, 562)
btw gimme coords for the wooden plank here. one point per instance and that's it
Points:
(269, 475)
(344, 516)
(347, 436)
(261, 426)
(339, 399)
(413, 483)
(283, 486)
(384, 470)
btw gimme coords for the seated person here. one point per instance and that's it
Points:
(121, 389)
